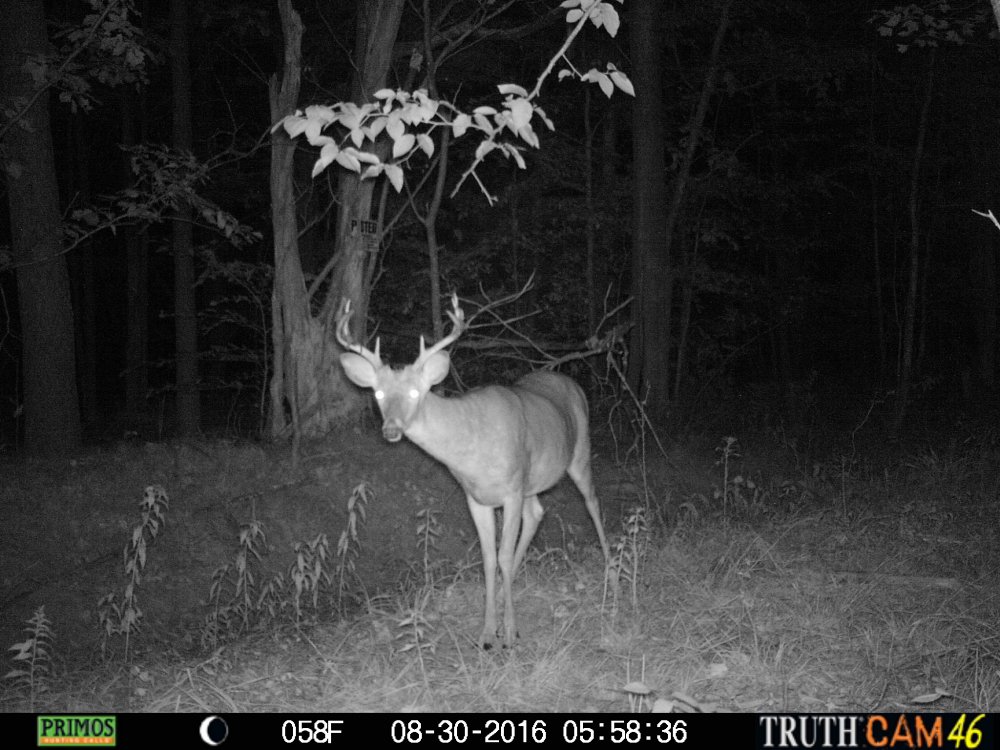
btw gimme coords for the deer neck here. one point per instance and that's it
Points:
(448, 428)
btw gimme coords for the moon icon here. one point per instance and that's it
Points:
(213, 731)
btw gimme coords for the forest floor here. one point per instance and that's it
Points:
(764, 582)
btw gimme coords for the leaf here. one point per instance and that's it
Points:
(622, 81)
(930, 697)
(375, 128)
(348, 161)
(394, 126)
(520, 112)
(604, 81)
(293, 124)
(460, 124)
(426, 144)
(384, 94)
(326, 156)
(483, 124)
(515, 153)
(484, 148)
(313, 130)
(395, 175)
(574, 15)
(365, 157)
(513, 89)
(637, 688)
(402, 145)
(527, 134)
(611, 20)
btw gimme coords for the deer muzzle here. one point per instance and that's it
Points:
(392, 431)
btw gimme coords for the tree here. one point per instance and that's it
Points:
(51, 407)
(185, 311)
(925, 27)
(652, 280)
(307, 379)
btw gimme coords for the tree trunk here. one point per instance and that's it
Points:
(309, 391)
(51, 407)
(81, 267)
(651, 277)
(909, 320)
(652, 252)
(185, 312)
(434, 207)
(136, 287)
(378, 25)
(875, 187)
(592, 295)
(983, 305)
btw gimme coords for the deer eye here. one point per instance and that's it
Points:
(414, 393)
(380, 395)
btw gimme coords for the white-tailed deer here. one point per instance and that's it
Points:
(504, 445)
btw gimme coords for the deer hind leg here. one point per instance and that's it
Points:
(579, 472)
(531, 515)
(512, 513)
(484, 519)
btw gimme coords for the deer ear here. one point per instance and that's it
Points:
(436, 368)
(358, 370)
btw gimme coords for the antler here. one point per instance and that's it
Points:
(343, 338)
(457, 316)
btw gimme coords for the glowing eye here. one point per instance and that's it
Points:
(414, 393)
(380, 395)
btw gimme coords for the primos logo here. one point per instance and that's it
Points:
(69, 731)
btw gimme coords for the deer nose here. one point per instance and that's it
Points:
(392, 432)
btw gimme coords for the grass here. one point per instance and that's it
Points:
(739, 582)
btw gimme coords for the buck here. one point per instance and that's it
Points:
(503, 444)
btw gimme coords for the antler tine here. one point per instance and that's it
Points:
(457, 316)
(343, 336)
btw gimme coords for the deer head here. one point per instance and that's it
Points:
(399, 393)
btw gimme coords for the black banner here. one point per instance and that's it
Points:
(971, 731)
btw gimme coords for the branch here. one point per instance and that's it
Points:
(65, 64)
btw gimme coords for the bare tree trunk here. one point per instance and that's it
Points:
(590, 230)
(651, 276)
(81, 268)
(185, 312)
(983, 305)
(655, 296)
(687, 302)
(434, 207)
(609, 234)
(51, 407)
(909, 321)
(290, 316)
(136, 286)
(873, 173)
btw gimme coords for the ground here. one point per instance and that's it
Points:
(746, 583)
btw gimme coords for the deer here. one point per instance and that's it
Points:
(503, 444)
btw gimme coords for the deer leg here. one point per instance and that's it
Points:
(508, 538)
(579, 472)
(483, 517)
(531, 516)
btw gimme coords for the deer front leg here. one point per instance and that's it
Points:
(483, 517)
